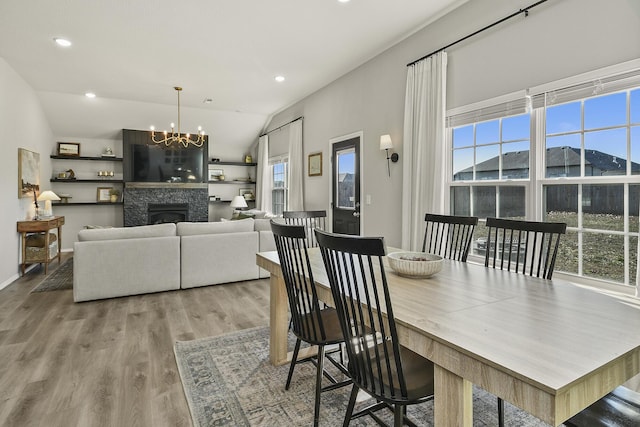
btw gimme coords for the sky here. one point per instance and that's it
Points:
(563, 128)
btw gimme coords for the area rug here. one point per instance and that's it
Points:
(61, 278)
(228, 381)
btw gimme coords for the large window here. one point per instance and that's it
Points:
(279, 178)
(569, 156)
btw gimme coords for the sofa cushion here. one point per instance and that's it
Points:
(196, 228)
(263, 224)
(143, 231)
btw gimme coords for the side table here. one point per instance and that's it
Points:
(42, 225)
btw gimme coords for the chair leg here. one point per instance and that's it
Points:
(500, 412)
(293, 363)
(351, 405)
(319, 373)
(398, 416)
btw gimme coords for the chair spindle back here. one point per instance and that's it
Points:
(358, 282)
(291, 244)
(449, 235)
(526, 247)
(310, 220)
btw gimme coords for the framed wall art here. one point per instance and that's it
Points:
(216, 174)
(71, 149)
(28, 173)
(104, 194)
(315, 164)
(247, 193)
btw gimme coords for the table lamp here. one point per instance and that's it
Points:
(237, 204)
(48, 196)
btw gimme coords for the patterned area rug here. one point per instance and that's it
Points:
(61, 278)
(228, 381)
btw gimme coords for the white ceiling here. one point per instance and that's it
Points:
(131, 54)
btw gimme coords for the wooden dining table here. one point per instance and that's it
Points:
(548, 347)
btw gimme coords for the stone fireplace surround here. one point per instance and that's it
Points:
(138, 196)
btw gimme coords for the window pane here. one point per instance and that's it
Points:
(461, 201)
(603, 256)
(479, 242)
(515, 160)
(634, 202)
(635, 106)
(635, 150)
(484, 202)
(512, 202)
(463, 137)
(487, 162)
(633, 254)
(561, 204)
(563, 156)
(516, 127)
(603, 207)
(604, 111)
(346, 182)
(563, 118)
(605, 152)
(488, 132)
(567, 257)
(463, 164)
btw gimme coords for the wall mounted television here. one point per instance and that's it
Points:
(146, 161)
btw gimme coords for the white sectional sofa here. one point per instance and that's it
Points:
(115, 262)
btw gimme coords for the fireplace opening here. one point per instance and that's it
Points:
(167, 212)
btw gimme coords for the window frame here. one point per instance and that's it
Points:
(284, 159)
(534, 185)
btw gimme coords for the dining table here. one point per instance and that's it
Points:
(549, 347)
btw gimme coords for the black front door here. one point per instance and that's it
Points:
(345, 201)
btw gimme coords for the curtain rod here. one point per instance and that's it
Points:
(524, 10)
(281, 126)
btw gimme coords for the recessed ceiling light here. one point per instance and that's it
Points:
(279, 79)
(344, 1)
(62, 42)
(90, 95)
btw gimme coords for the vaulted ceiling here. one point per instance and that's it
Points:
(131, 54)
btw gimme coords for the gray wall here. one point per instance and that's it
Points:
(559, 39)
(23, 125)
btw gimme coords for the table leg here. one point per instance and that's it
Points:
(24, 251)
(453, 403)
(46, 251)
(59, 243)
(278, 321)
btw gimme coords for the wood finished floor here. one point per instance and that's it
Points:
(109, 362)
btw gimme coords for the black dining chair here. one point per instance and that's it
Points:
(310, 323)
(526, 247)
(620, 408)
(310, 220)
(395, 376)
(449, 236)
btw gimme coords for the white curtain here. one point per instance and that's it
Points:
(296, 167)
(424, 143)
(263, 177)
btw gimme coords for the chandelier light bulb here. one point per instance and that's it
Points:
(152, 127)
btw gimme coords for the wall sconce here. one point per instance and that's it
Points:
(386, 144)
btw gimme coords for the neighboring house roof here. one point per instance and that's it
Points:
(345, 177)
(556, 157)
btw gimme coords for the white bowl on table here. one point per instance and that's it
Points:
(415, 264)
